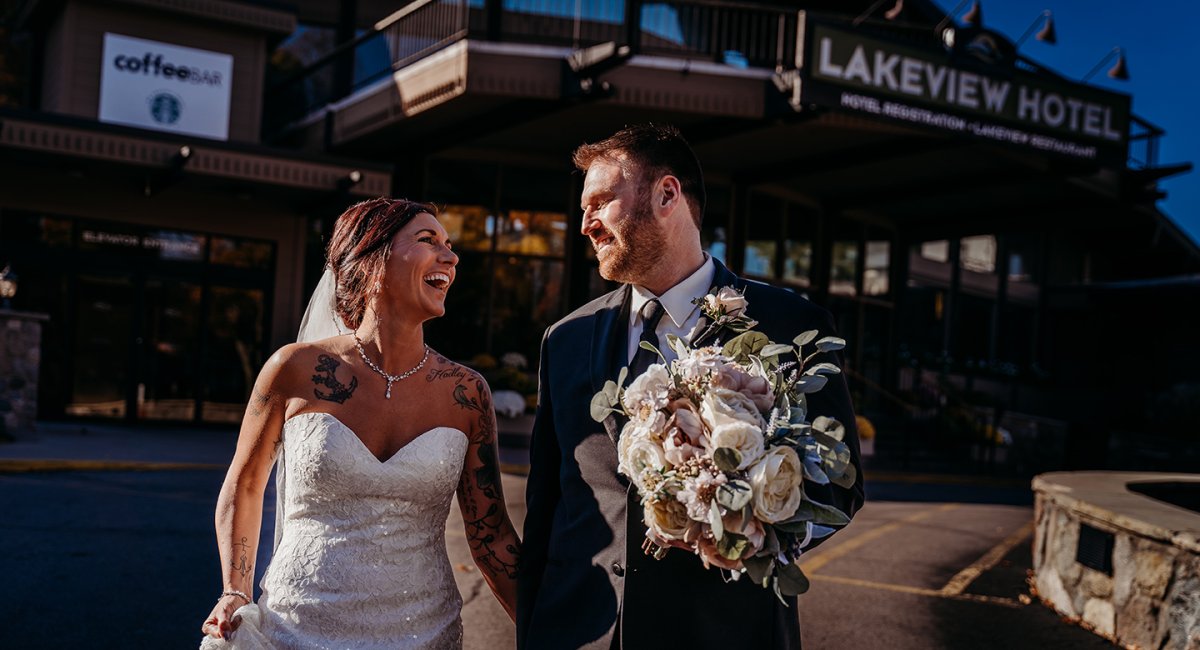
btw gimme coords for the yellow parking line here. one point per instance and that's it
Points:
(20, 466)
(964, 578)
(820, 559)
(917, 591)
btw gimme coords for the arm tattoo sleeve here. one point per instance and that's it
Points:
(482, 486)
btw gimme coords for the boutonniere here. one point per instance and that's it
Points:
(725, 309)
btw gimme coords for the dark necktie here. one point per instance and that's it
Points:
(652, 313)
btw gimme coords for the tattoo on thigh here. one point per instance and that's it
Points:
(338, 392)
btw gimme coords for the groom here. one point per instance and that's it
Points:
(584, 579)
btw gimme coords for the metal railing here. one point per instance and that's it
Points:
(737, 34)
(1143, 143)
(741, 35)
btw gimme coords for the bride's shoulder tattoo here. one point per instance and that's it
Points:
(338, 392)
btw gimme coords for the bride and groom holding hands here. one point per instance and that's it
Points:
(370, 460)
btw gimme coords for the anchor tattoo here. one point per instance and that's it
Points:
(339, 392)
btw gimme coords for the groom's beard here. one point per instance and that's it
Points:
(640, 242)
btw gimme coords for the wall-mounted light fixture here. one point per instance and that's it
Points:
(1119, 70)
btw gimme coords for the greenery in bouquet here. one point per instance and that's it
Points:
(719, 444)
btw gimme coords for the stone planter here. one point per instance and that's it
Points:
(1126, 565)
(20, 361)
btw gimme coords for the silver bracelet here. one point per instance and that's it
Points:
(235, 592)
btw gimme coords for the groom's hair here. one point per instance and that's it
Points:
(359, 250)
(656, 150)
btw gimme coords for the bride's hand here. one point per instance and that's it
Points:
(221, 621)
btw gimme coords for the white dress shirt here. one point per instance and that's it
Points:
(682, 318)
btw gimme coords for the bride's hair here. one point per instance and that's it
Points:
(359, 249)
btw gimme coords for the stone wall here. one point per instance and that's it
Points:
(20, 361)
(1152, 598)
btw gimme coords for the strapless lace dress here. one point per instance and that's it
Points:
(362, 559)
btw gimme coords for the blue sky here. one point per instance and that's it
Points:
(1162, 49)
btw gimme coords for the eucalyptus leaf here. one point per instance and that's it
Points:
(823, 368)
(759, 568)
(613, 391)
(647, 345)
(805, 338)
(810, 384)
(830, 343)
(714, 520)
(821, 532)
(727, 459)
(792, 581)
(677, 344)
(814, 473)
(836, 459)
(775, 349)
(846, 480)
(622, 375)
(600, 407)
(735, 494)
(743, 345)
(827, 515)
(830, 427)
(731, 546)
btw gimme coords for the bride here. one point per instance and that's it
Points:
(375, 432)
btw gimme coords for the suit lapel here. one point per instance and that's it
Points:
(610, 333)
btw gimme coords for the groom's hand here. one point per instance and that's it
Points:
(221, 622)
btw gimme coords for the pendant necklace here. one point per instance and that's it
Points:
(390, 378)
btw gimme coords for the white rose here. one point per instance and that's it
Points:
(696, 364)
(647, 393)
(667, 519)
(742, 436)
(637, 454)
(727, 298)
(723, 406)
(777, 482)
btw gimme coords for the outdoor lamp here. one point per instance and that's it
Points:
(974, 17)
(8, 287)
(349, 180)
(1046, 35)
(1118, 71)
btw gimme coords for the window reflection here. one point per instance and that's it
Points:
(843, 277)
(528, 299)
(105, 308)
(877, 268)
(470, 227)
(242, 253)
(234, 351)
(532, 233)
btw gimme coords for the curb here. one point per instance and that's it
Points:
(25, 466)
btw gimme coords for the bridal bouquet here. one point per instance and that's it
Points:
(719, 444)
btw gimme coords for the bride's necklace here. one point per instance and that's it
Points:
(390, 378)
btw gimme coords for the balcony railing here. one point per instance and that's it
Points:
(737, 34)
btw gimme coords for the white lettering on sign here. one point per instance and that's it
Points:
(875, 67)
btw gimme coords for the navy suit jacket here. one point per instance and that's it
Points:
(584, 580)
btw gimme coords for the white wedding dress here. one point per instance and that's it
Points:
(361, 562)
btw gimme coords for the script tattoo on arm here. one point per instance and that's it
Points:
(338, 392)
(479, 488)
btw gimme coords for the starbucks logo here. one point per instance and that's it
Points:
(165, 108)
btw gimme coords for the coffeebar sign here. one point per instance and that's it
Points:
(165, 87)
(930, 88)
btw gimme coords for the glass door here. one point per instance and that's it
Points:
(104, 307)
(233, 351)
(168, 349)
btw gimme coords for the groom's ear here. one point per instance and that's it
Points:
(667, 195)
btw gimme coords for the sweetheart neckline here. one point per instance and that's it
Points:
(364, 446)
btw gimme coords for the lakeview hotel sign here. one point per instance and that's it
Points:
(974, 86)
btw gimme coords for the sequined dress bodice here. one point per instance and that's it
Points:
(362, 561)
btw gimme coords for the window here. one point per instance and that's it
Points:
(877, 268)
